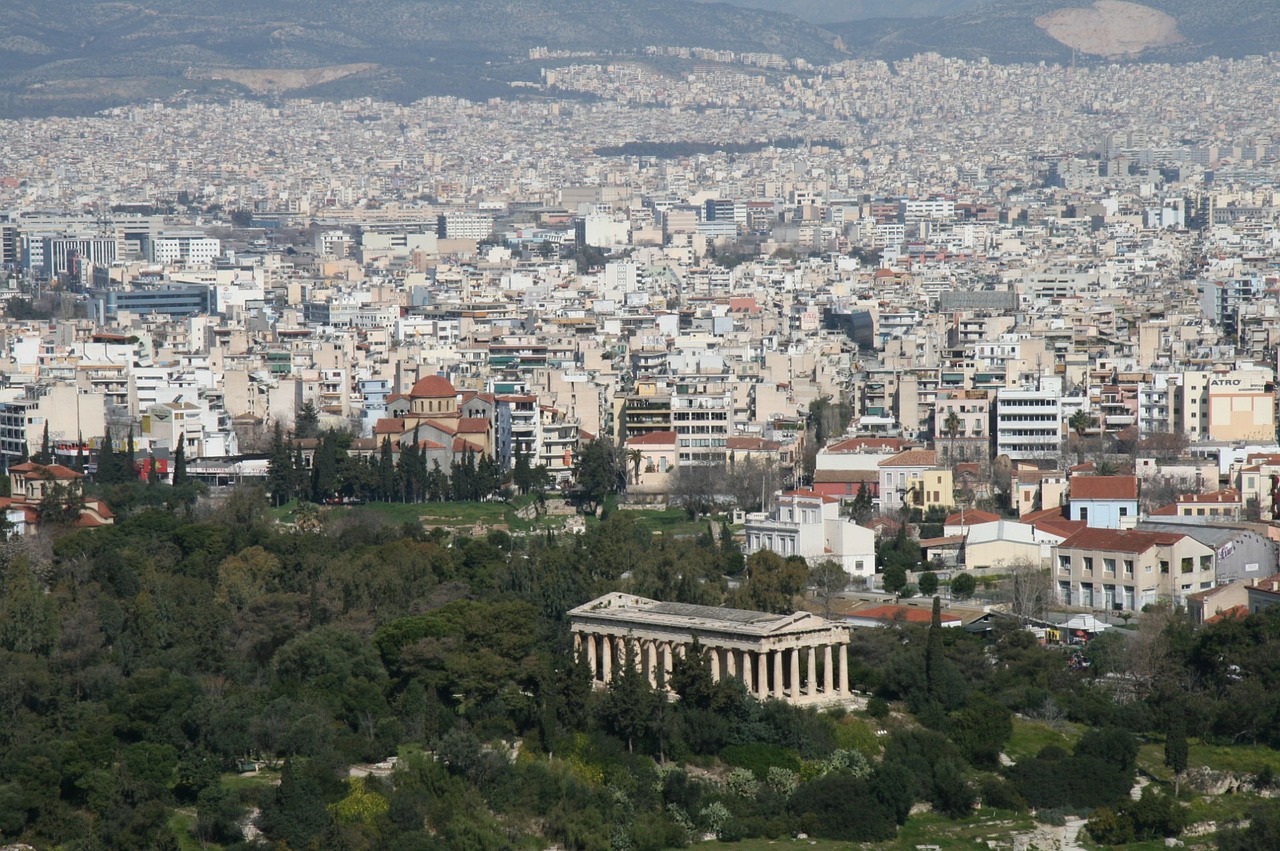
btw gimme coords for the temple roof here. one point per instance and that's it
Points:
(642, 612)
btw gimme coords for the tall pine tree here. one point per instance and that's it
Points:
(45, 456)
(108, 471)
(179, 466)
(130, 471)
(279, 468)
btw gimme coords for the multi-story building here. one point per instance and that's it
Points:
(1126, 569)
(185, 249)
(518, 429)
(69, 412)
(1029, 424)
(702, 416)
(971, 440)
(807, 524)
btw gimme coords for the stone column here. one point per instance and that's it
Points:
(795, 675)
(843, 650)
(762, 674)
(730, 657)
(777, 673)
(747, 669)
(828, 675)
(607, 673)
(592, 659)
(667, 655)
(713, 657)
(812, 683)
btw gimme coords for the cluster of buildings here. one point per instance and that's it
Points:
(1003, 280)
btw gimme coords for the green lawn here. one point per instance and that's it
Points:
(1029, 737)
(183, 825)
(671, 521)
(1238, 759)
(926, 829)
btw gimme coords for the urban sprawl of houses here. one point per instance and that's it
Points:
(1046, 295)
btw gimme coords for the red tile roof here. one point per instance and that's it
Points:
(1228, 614)
(912, 458)
(865, 444)
(900, 614)
(653, 438)
(432, 387)
(1120, 540)
(971, 518)
(32, 470)
(1104, 487)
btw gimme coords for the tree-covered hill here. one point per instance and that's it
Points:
(143, 666)
(67, 53)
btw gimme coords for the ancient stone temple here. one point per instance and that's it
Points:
(799, 658)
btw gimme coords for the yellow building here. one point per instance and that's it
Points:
(927, 489)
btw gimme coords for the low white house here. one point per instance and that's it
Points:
(808, 524)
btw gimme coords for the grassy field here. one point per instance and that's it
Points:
(1237, 759)
(1029, 737)
(926, 829)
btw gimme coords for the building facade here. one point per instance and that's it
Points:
(801, 658)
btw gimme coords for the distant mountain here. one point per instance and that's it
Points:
(68, 55)
(1035, 30)
(832, 11)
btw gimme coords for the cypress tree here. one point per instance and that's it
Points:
(46, 457)
(180, 465)
(130, 470)
(108, 463)
(386, 471)
(279, 469)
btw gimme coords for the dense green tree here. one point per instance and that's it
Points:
(280, 468)
(963, 585)
(1176, 751)
(45, 455)
(597, 472)
(306, 423)
(773, 583)
(180, 465)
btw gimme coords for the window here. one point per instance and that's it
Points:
(1109, 565)
(1088, 564)
(1188, 565)
(1124, 511)
(1206, 562)
(1064, 563)
(1164, 566)
(1128, 567)
(1084, 514)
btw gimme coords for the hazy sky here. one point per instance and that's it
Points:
(829, 11)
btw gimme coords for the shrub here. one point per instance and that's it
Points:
(760, 758)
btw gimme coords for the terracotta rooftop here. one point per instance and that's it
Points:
(900, 614)
(653, 438)
(434, 387)
(912, 458)
(1104, 487)
(1120, 540)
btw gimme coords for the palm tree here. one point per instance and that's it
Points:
(952, 427)
(1080, 423)
(636, 457)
